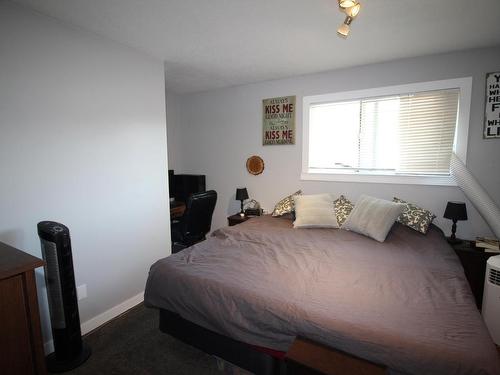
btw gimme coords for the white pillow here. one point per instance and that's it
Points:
(373, 217)
(314, 211)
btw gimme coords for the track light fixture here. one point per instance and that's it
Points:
(351, 8)
(353, 11)
(344, 29)
(346, 3)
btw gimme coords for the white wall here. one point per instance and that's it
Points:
(222, 128)
(83, 142)
(174, 131)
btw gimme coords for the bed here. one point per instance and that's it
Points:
(404, 303)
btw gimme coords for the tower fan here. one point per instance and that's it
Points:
(491, 298)
(70, 351)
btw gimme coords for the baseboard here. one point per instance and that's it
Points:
(113, 312)
(103, 318)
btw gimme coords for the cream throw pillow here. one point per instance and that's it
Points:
(373, 217)
(314, 211)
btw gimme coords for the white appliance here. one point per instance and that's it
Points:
(491, 298)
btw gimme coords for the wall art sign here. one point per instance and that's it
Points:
(492, 108)
(278, 121)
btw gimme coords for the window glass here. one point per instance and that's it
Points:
(410, 134)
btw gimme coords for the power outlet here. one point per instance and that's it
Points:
(81, 291)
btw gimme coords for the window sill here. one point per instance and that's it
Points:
(379, 179)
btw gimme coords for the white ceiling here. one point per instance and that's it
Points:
(218, 43)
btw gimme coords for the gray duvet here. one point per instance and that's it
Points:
(404, 303)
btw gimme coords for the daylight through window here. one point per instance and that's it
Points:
(404, 134)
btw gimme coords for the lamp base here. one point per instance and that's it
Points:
(453, 241)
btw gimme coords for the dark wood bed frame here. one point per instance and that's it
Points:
(236, 352)
(303, 357)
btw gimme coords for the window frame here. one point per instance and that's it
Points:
(460, 145)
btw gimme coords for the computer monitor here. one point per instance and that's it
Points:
(171, 183)
(187, 184)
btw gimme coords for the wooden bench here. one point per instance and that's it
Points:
(306, 357)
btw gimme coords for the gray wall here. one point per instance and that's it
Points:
(222, 128)
(174, 132)
(83, 142)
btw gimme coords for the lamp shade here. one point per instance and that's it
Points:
(241, 194)
(455, 211)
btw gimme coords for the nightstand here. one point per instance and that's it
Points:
(474, 262)
(236, 219)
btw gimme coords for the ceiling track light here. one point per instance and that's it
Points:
(344, 29)
(347, 3)
(351, 8)
(353, 11)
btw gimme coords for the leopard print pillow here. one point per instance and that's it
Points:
(343, 208)
(286, 205)
(415, 217)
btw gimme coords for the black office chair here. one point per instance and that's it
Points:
(196, 221)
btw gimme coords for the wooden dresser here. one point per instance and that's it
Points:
(21, 346)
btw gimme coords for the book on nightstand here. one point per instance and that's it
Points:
(490, 245)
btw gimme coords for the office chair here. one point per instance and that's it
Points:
(196, 221)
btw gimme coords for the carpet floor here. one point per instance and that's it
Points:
(133, 344)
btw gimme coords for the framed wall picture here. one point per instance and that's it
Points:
(492, 106)
(278, 121)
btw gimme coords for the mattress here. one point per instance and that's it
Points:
(404, 303)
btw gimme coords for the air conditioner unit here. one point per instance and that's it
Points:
(491, 298)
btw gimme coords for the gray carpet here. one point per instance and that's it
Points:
(133, 344)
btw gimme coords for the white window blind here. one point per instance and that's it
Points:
(399, 134)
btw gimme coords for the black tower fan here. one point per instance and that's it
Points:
(70, 350)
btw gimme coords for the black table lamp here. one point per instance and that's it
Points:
(241, 195)
(455, 211)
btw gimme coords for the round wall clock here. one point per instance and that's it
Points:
(255, 165)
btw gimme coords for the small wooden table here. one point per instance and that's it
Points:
(236, 219)
(306, 357)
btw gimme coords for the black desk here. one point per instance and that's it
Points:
(177, 209)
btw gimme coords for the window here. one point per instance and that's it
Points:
(399, 134)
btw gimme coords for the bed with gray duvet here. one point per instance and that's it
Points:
(404, 303)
